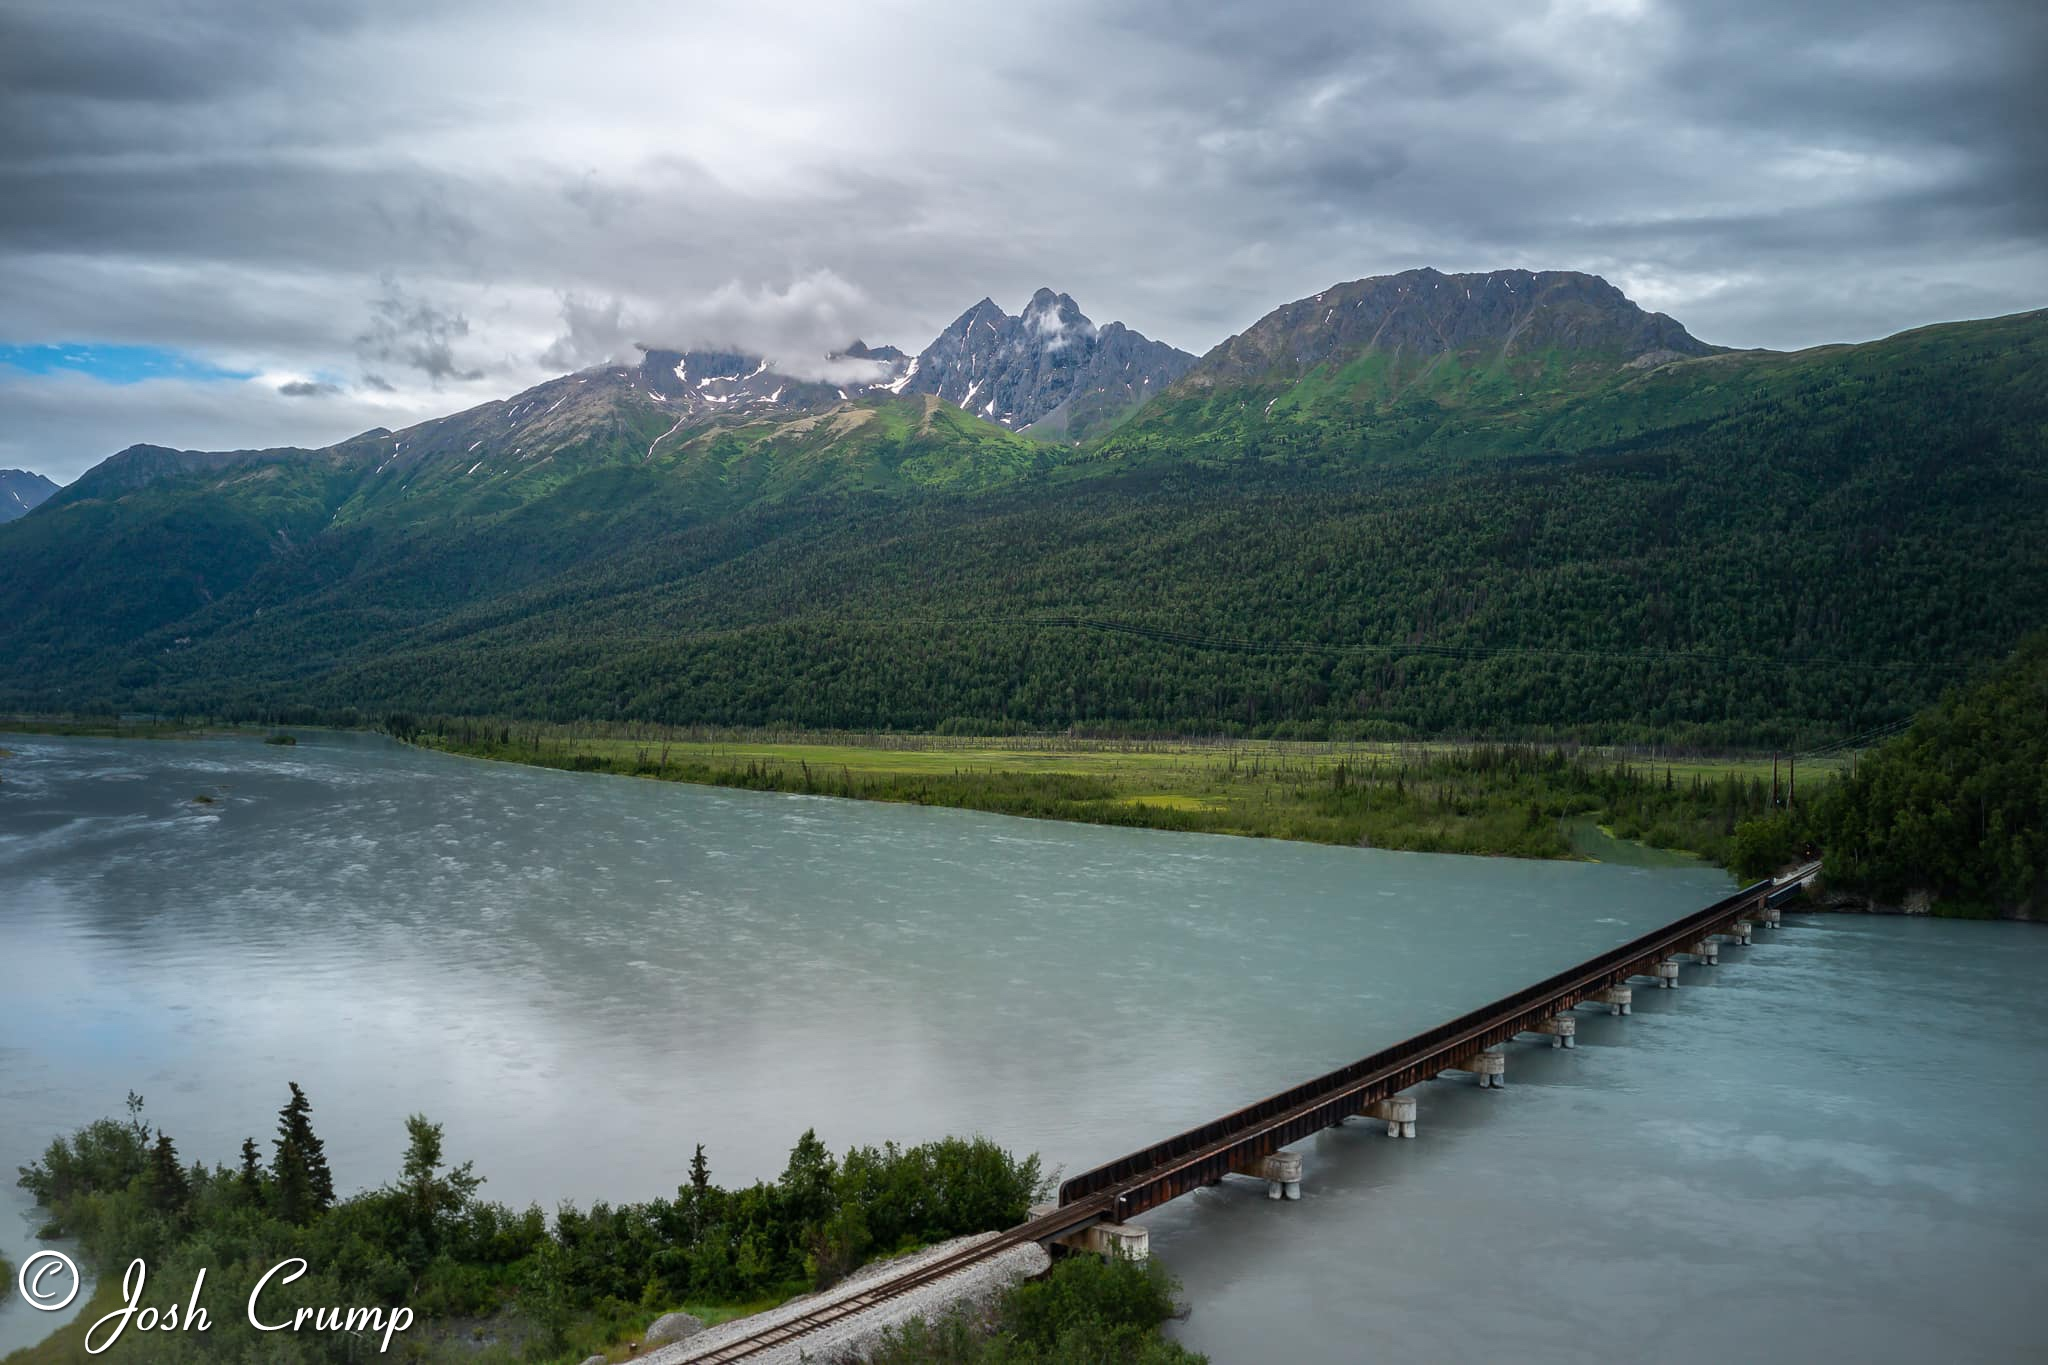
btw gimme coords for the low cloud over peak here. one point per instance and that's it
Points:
(802, 328)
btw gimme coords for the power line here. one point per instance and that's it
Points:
(1860, 741)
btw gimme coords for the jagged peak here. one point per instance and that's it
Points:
(984, 311)
(1054, 317)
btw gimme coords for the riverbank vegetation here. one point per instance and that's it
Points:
(1089, 1311)
(1519, 800)
(487, 1283)
(108, 726)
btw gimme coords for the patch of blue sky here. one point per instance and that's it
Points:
(114, 364)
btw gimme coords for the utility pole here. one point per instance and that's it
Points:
(1774, 781)
(1792, 791)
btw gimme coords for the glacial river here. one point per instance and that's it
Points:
(1823, 1148)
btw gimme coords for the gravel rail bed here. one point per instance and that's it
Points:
(848, 1339)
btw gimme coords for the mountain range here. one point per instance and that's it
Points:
(1419, 503)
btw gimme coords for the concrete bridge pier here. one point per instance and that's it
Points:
(1563, 1030)
(1618, 999)
(1282, 1172)
(1489, 1067)
(1741, 930)
(1123, 1241)
(1666, 973)
(1707, 950)
(1126, 1240)
(1398, 1113)
(1771, 916)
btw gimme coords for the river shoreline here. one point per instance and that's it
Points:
(1918, 905)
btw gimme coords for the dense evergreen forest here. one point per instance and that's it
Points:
(1735, 549)
(1956, 808)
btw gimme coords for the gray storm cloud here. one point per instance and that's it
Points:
(412, 332)
(454, 199)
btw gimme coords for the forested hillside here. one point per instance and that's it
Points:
(1724, 547)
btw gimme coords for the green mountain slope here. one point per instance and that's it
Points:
(1707, 544)
(432, 516)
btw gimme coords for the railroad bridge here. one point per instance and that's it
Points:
(1095, 1206)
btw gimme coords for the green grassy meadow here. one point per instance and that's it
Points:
(1522, 801)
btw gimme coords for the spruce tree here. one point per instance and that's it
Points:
(169, 1191)
(700, 1173)
(305, 1187)
(700, 1193)
(806, 1183)
(252, 1171)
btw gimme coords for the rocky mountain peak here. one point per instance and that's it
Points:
(21, 492)
(1500, 313)
(700, 383)
(860, 350)
(1056, 319)
(1045, 370)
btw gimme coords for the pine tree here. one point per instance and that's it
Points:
(169, 1191)
(305, 1187)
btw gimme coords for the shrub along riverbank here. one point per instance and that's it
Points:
(485, 1283)
(1088, 1311)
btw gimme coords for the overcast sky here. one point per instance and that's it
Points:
(228, 223)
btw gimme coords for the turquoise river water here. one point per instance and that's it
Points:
(1823, 1148)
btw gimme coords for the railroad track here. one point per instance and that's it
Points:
(1067, 1218)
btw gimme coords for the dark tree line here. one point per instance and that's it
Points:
(1956, 807)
